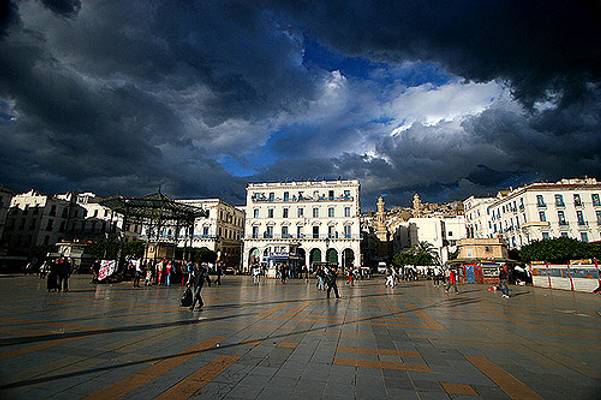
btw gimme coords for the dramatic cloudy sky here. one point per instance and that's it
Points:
(445, 98)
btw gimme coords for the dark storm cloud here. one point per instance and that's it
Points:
(121, 96)
(9, 16)
(536, 45)
(66, 8)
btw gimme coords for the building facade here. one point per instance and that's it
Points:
(36, 221)
(320, 219)
(567, 208)
(222, 231)
(476, 216)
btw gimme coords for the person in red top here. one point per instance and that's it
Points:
(350, 280)
(168, 268)
(452, 281)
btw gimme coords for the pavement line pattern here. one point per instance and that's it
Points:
(383, 352)
(458, 389)
(194, 382)
(32, 348)
(514, 388)
(146, 375)
(394, 365)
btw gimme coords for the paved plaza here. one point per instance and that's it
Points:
(276, 341)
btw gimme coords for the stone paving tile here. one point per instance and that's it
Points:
(288, 338)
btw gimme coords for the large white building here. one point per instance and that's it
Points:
(538, 211)
(318, 221)
(221, 231)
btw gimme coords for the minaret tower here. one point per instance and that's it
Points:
(381, 231)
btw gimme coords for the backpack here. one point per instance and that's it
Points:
(186, 300)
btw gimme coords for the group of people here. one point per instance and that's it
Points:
(326, 279)
(57, 273)
(165, 272)
(439, 275)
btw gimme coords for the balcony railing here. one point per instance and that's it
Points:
(303, 237)
(295, 199)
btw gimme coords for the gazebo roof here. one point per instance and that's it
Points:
(153, 206)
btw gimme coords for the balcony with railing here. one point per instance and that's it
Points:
(300, 199)
(309, 236)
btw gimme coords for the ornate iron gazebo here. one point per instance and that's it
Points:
(161, 219)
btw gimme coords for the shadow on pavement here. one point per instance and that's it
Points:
(456, 302)
(133, 328)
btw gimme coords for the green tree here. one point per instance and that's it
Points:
(403, 258)
(422, 253)
(104, 248)
(134, 248)
(559, 250)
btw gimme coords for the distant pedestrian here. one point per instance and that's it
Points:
(390, 277)
(436, 275)
(168, 269)
(321, 278)
(219, 271)
(137, 273)
(148, 280)
(452, 281)
(256, 274)
(503, 279)
(332, 275)
(350, 277)
(200, 275)
(283, 273)
(52, 277)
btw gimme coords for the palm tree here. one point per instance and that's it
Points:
(425, 254)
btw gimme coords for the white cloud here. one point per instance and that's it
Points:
(429, 105)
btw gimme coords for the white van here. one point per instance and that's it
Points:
(382, 267)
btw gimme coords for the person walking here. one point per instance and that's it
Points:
(148, 280)
(256, 272)
(452, 281)
(159, 272)
(168, 269)
(138, 273)
(331, 277)
(436, 273)
(321, 278)
(503, 279)
(219, 270)
(200, 275)
(283, 273)
(390, 277)
(350, 275)
(52, 277)
(189, 272)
